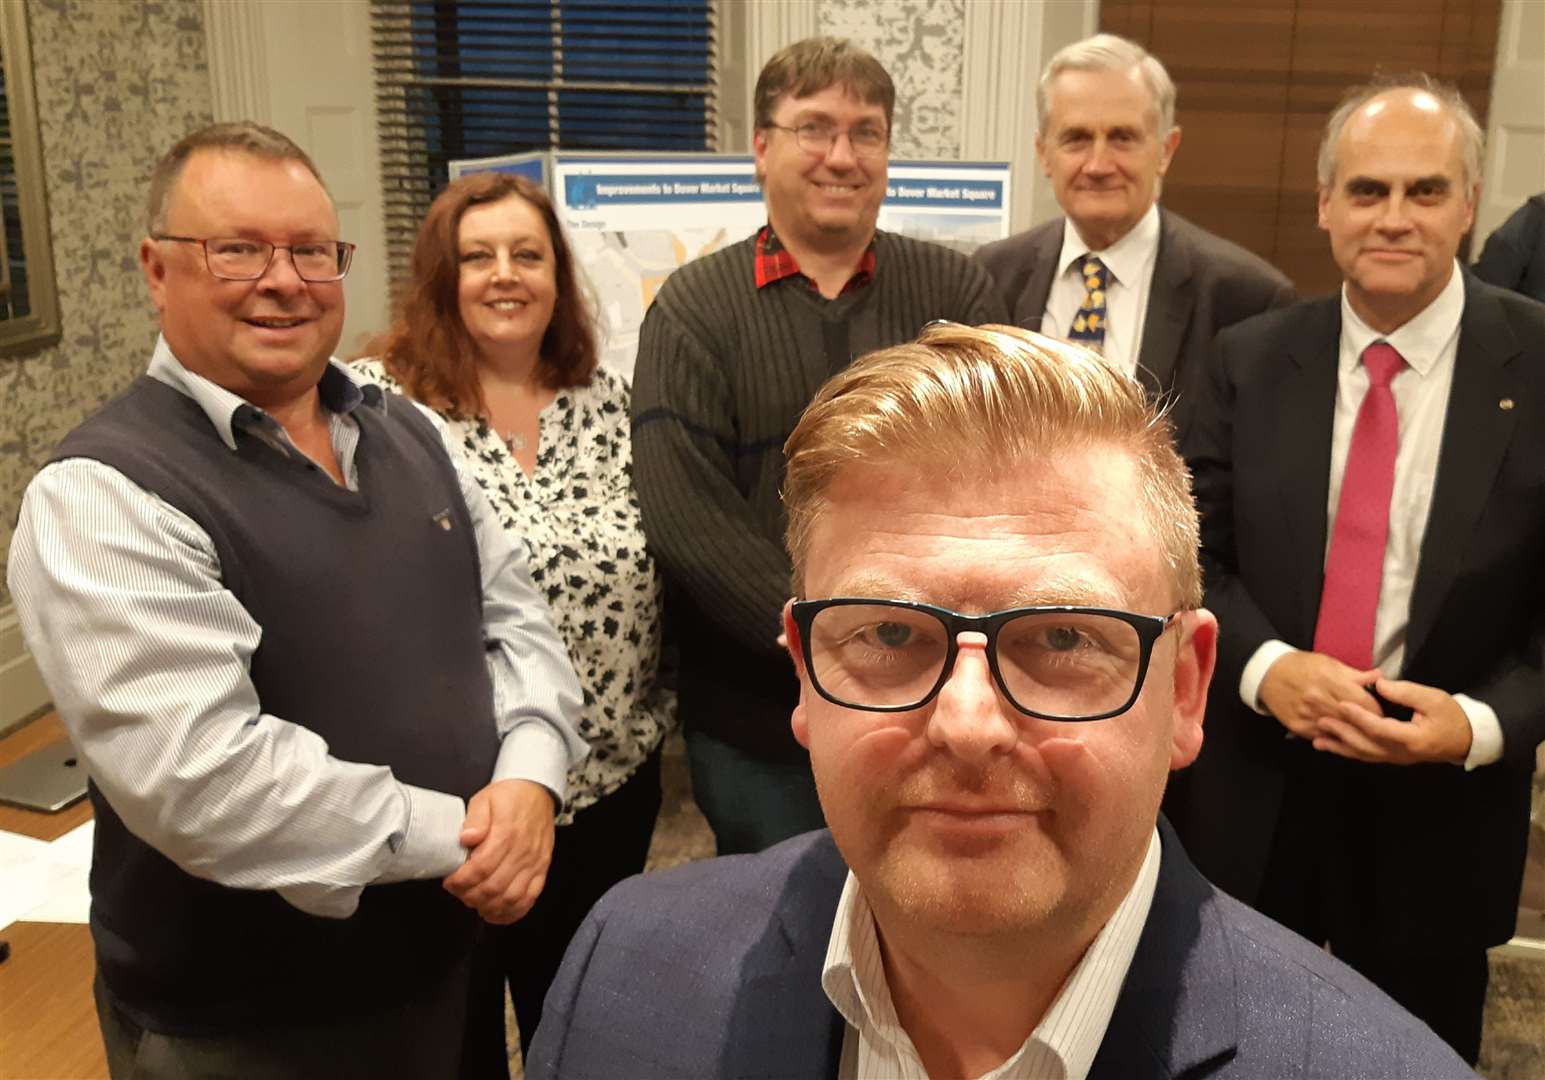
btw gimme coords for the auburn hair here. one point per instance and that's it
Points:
(428, 349)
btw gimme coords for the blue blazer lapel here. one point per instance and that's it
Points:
(783, 1025)
(1179, 1005)
(1476, 434)
(790, 1029)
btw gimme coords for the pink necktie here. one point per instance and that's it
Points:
(1355, 567)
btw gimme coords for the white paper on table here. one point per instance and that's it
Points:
(46, 882)
(74, 847)
(30, 875)
(70, 900)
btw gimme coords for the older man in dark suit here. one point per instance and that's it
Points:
(1369, 470)
(1001, 655)
(1143, 285)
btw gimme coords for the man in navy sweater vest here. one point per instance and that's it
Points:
(326, 717)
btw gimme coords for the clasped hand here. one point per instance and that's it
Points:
(1328, 703)
(509, 836)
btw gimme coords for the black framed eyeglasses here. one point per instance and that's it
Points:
(1055, 663)
(236, 258)
(867, 142)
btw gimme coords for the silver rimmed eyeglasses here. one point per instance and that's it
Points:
(1055, 663)
(236, 258)
(867, 142)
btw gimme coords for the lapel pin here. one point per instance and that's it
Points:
(1505, 404)
(443, 519)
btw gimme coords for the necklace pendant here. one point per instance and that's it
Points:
(515, 442)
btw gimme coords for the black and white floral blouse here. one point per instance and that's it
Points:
(578, 516)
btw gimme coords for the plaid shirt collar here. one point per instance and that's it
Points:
(774, 262)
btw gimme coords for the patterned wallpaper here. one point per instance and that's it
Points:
(117, 83)
(922, 45)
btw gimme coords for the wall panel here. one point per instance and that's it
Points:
(1257, 79)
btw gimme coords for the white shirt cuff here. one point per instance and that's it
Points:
(430, 847)
(534, 751)
(1255, 671)
(427, 848)
(1485, 732)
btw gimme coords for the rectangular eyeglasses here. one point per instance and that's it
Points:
(1055, 663)
(235, 258)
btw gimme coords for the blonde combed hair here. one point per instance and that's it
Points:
(988, 399)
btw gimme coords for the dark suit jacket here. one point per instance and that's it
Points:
(714, 970)
(1433, 849)
(1514, 255)
(1201, 283)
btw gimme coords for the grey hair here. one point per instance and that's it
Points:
(1107, 52)
(1472, 139)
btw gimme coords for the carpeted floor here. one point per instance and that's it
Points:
(1513, 1044)
(1514, 1041)
(681, 835)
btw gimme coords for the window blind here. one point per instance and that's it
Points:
(479, 78)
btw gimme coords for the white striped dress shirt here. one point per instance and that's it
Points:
(1064, 1042)
(1429, 344)
(147, 656)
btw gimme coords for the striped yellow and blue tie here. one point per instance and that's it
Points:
(1088, 327)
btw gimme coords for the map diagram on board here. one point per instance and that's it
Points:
(626, 269)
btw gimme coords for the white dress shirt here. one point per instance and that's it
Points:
(1130, 261)
(1429, 343)
(1062, 1046)
(146, 653)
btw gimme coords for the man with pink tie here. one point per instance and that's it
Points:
(1369, 470)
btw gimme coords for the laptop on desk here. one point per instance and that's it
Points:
(48, 779)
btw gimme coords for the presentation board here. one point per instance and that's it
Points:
(633, 219)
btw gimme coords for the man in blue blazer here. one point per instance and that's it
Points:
(1001, 654)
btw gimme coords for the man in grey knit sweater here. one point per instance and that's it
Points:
(733, 348)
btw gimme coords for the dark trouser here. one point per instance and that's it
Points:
(416, 1039)
(751, 803)
(1442, 984)
(605, 843)
(1445, 990)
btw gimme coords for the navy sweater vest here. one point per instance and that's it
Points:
(370, 605)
